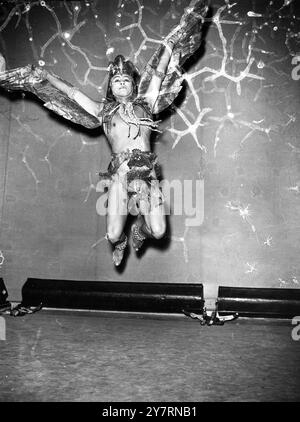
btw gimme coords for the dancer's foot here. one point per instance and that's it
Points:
(118, 252)
(137, 236)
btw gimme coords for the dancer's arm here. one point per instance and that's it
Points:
(162, 78)
(75, 94)
(159, 73)
(57, 94)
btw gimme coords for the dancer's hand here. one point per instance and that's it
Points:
(23, 77)
(2, 63)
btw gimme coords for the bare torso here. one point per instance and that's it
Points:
(122, 136)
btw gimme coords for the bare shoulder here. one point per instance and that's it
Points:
(99, 105)
(144, 102)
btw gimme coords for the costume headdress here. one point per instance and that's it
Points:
(120, 66)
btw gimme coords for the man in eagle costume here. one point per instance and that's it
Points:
(126, 115)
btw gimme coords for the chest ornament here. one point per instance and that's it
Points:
(127, 114)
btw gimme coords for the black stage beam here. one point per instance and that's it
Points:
(113, 296)
(259, 302)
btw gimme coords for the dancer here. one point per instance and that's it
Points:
(126, 115)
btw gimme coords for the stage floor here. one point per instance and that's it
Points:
(56, 355)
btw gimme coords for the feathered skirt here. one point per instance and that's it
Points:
(138, 172)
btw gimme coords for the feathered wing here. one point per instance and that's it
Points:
(188, 33)
(29, 78)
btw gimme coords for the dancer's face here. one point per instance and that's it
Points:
(122, 86)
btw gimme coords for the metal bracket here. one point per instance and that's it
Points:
(211, 317)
